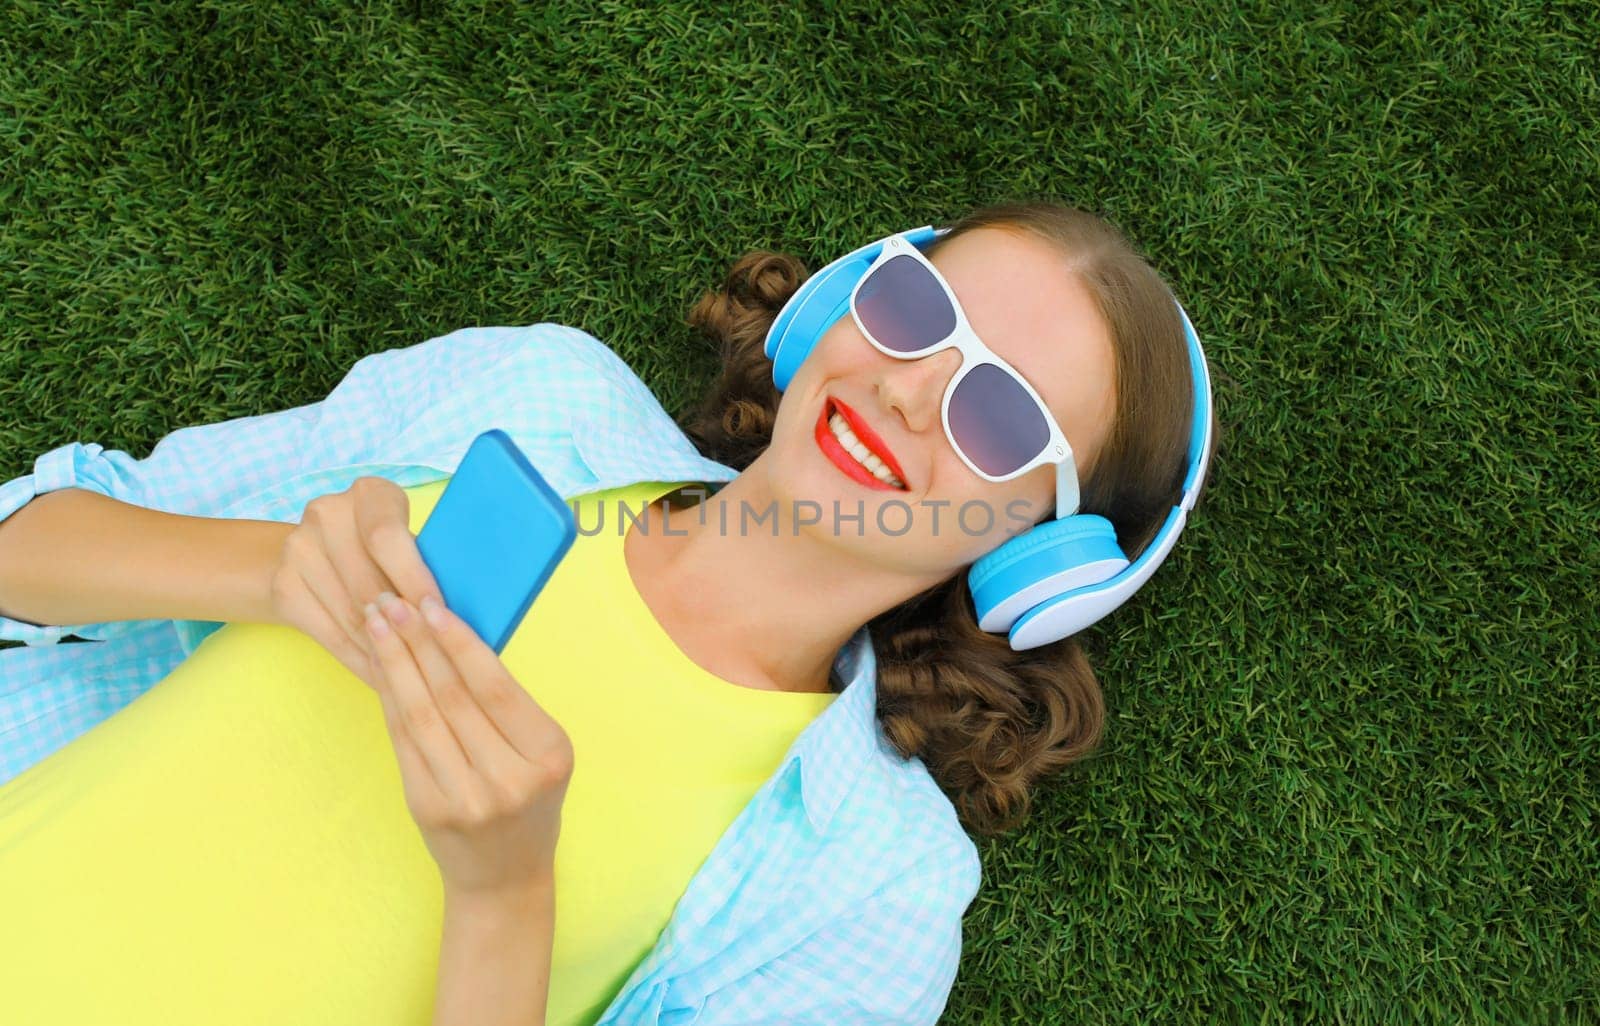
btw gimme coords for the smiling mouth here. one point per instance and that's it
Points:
(835, 449)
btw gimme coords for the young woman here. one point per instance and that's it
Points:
(761, 743)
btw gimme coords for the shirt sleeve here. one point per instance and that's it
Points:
(208, 469)
(892, 963)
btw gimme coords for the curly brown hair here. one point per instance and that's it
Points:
(987, 721)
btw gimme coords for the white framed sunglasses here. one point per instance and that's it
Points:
(996, 422)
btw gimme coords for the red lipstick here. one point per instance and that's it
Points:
(868, 437)
(842, 457)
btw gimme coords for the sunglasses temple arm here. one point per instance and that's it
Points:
(1066, 488)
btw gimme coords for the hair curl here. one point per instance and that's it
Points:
(989, 722)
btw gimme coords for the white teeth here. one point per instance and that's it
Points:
(866, 457)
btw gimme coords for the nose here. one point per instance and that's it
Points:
(915, 388)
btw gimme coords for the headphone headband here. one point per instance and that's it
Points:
(1200, 373)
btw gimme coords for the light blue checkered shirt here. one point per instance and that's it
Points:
(835, 897)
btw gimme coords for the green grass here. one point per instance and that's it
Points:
(1352, 765)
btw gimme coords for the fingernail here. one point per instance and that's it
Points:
(385, 599)
(371, 610)
(431, 611)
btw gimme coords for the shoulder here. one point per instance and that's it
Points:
(557, 372)
(545, 336)
(491, 347)
(559, 342)
(889, 956)
(586, 370)
(950, 866)
(899, 800)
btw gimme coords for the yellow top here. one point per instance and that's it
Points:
(234, 845)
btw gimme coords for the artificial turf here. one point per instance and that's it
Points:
(1351, 770)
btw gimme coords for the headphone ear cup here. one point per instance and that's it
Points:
(808, 314)
(822, 299)
(1045, 563)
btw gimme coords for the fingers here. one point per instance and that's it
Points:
(357, 544)
(419, 716)
(422, 791)
(500, 698)
(383, 523)
(357, 660)
(310, 615)
(486, 748)
(344, 539)
(316, 573)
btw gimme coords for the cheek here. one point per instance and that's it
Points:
(808, 379)
(799, 399)
(994, 513)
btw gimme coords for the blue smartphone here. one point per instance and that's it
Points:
(494, 537)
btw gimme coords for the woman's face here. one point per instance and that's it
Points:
(1025, 304)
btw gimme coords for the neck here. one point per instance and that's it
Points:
(775, 604)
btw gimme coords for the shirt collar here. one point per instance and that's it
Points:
(835, 748)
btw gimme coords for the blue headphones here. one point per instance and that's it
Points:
(1059, 576)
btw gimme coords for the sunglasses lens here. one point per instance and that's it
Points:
(995, 421)
(903, 306)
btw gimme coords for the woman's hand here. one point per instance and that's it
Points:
(485, 768)
(348, 547)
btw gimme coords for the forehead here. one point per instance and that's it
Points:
(1021, 297)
